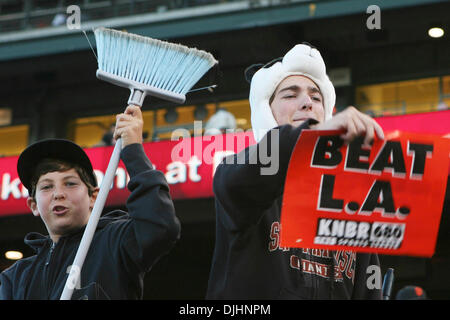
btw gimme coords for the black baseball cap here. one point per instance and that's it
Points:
(60, 149)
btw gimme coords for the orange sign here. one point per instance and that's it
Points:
(386, 199)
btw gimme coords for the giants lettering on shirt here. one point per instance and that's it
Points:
(314, 267)
(274, 243)
(345, 261)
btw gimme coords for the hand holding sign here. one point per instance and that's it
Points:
(353, 123)
(386, 198)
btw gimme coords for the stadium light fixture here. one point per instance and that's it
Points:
(13, 255)
(436, 32)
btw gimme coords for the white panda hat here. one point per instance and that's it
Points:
(301, 60)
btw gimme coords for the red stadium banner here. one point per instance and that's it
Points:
(386, 199)
(187, 164)
(187, 177)
(436, 122)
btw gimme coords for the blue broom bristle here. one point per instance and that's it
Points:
(164, 65)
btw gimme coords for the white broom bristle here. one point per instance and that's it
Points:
(164, 65)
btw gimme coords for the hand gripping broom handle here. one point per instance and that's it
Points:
(88, 234)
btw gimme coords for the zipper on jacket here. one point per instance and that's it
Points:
(50, 270)
(50, 252)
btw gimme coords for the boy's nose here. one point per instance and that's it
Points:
(58, 194)
(305, 103)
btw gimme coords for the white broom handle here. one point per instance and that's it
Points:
(75, 270)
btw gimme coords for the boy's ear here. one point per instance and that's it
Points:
(31, 203)
(94, 197)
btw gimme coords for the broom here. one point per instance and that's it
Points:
(146, 66)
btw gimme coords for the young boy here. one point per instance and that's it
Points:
(293, 94)
(62, 191)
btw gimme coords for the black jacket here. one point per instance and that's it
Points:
(123, 249)
(248, 262)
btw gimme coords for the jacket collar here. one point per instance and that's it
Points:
(37, 241)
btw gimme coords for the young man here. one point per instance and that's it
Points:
(248, 263)
(63, 188)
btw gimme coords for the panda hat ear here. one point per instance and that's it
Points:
(251, 70)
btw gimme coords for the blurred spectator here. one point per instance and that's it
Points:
(59, 19)
(442, 106)
(108, 137)
(222, 121)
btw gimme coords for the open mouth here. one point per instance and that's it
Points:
(60, 210)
